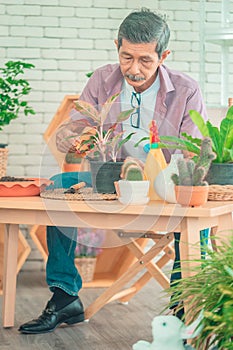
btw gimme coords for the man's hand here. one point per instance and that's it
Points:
(65, 140)
(68, 133)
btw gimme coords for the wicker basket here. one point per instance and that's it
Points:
(3, 161)
(220, 193)
(86, 268)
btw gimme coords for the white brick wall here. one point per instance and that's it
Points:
(65, 39)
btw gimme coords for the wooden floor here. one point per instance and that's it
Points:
(115, 327)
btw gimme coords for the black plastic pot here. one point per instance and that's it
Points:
(220, 174)
(104, 174)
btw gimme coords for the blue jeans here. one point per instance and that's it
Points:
(176, 273)
(61, 241)
(60, 269)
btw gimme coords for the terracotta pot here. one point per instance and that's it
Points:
(191, 196)
(70, 167)
(31, 187)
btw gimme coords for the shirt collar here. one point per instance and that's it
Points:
(165, 81)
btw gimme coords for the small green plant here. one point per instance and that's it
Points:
(13, 89)
(95, 140)
(192, 173)
(210, 289)
(132, 170)
(73, 158)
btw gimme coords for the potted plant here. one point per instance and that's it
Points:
(101, 143)
(133, 187)
(88, 247)
(72, 162)
(221, 169)
(210, 291)
(190, 187)
(13, 89)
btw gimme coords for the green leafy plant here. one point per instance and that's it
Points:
(210, 289)
(192, 173)
(13, 89)
(221, 137)
(95, 140)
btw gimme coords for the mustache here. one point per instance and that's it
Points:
(134, 77)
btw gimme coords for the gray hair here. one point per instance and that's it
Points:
(145, 26)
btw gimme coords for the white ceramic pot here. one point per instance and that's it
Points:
(133, 192)
(163, 183)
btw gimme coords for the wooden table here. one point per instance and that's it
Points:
(135, 220)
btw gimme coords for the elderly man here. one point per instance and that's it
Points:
(159, 93)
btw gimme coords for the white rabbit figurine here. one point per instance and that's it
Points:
(168, 334)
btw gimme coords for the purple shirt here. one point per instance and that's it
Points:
(177, 95)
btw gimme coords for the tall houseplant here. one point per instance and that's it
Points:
(13, 89)
(222, 145)
(102, 143)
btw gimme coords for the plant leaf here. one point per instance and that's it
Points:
(124, 115)
(175, 143)
(217, 141)
(199, 122)
(126, 139)
(229, 114)
(106, 107)
(146, 138)
(179, 143)
(88, 130)
(226, 132)
(87, 110)
(195, 140)
(231, 154)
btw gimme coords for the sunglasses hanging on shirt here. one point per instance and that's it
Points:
(135, 103)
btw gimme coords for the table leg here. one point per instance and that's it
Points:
(10, 273)
(225, 226)
(190, 249)
(223, 231)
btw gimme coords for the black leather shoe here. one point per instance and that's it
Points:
(50, 319)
